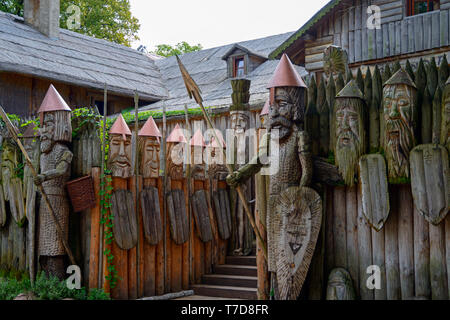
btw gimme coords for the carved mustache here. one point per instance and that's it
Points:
(347, 134)
(280, 121)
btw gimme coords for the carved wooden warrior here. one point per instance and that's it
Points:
(349, 118)
(120, 150)
(399, 96)
(149, 149)
(340, 285)
(445, 125)
(286, 238)
(176, 144)
(55, 163)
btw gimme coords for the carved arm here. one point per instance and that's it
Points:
(61, 168)
(305, 156)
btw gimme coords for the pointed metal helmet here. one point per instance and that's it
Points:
(150, 129)
(120, 127)
(53, 101)
(351, 90)
(176, 135)
(400, 77)
(285, 75)
(197, 140)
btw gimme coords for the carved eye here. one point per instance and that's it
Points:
(403, 102)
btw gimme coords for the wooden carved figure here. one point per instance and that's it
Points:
(399, 96)
(289, 231)
(349, 115)
(120, 150)
(445, 125)
(176, 202)
(240, 122)
(340, 285)
(374, 189)
(430, 181)
(149, 150)
(55, 163)
(199, 202)
(217, 172)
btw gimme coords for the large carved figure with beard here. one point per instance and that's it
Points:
(294, 163)
(120, 149)
(55, 161)
(349, 118)
(445, 126)
(399, 96)
(149, 149)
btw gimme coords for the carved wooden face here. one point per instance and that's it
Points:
(281, 113)
(47, 132)
(175, 161)
(239, 121)
(119, 158)
(445, 127)
(349, 136)
(9, 159)
(150, 157)
(398, 104)
(340, 285)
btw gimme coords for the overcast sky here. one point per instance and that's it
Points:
(214, 23)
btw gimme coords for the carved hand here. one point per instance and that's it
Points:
(39, 179)
(234, 179)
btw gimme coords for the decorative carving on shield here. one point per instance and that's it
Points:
(430, 181)
(151, 215)
(296, 228)
(125, 223)
(374, 187)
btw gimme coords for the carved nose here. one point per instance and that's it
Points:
(122, 149)
(394, 112)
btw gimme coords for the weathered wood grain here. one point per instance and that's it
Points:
(421, 257)
(200, 211)
(176, 209)
(339, 228)
(151, 213)
(352, 234)
(125, 224)
(393, 291)
(438, 270)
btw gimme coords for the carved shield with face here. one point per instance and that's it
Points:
(430, 181)
(374, 187)
(296, 226)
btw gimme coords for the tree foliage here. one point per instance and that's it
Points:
(166, 50)
(105, 19)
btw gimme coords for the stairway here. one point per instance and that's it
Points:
(237, 278)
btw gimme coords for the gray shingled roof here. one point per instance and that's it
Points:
(210, 73)
(77, 59)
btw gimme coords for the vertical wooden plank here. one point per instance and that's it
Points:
(344, 32)
(391, 31)
(398, 37)
(176, 267)
(435, 29)
(411, 36)
(379, 43)
(438, 272)
(352, 234)
(337, 22)
(358, 21)
(393, 291)
(329, 241)
(447, 249)
(339, 222)
(351, 18)
(132, 266)
(149, 274)
(378, 259)
(421, 257)
(427, 32)
(159, 276)
(418, 32)
(405, 241)
(364, 250)
(95, 233)
(443, 26)
(186, 246)
(366, 43)
(337, 39)
(351, 46)
(404, 36)
(358, 45)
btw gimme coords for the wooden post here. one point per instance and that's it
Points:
(102, 182)
(94, 254)
(352, 234)
(421, 256)
(393, 291)
(136, 184)
(188, 196)
(406, 242)
(364, 250)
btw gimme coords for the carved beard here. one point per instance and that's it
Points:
(283, 125)
(347, 156)
(149, 171)
(46, 144)
(120, 171)
(399, 141)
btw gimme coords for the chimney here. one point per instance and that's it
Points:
(43, 15)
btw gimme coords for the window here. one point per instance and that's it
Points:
(421, 6)
(238, 67)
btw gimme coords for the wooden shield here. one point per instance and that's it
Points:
(297, 225)
(151, 215)
(374, 188)
(223, 214)
(430, 181)
(201, 215)
(125, 224)
(176, 207)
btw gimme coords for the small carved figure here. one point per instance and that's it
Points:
(286, 115)
(176, 144)
(340, 285)
(149, 149)
(120, 149)
(399, 96)
(55, 163)
(349, 118)
(445, 126)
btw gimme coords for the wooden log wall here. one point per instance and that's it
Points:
(346, 27)
(411, 253)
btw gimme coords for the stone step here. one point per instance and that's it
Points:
(225, 291)
(230, 280)
(241, 260)
(238, 270)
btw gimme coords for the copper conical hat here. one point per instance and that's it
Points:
(53, 101)
(265, 109)
(197, 140)
(400, 77)
(351, 90)
(150, 129)
(176, 135)
(285, 75)
(120, 127)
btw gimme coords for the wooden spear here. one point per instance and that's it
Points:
(102, 185)
(194, 92)
(188, 175)
(136, 187)
(13, 133)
